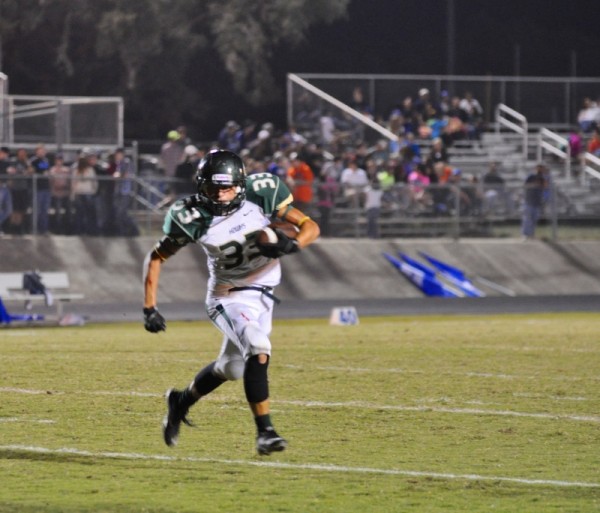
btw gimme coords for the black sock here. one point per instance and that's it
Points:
(263, 422)
(205, 381)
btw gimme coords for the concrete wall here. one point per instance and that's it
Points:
(110, 270)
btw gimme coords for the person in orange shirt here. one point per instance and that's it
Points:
(593, 145)
(300, 180)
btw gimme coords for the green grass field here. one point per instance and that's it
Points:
(424, 414)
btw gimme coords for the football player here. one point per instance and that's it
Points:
(225, 216)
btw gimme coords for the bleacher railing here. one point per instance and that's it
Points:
(514, 121)
(552, 102)
(457, 210)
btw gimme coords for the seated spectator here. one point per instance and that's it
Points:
(589, 115)
(418, 182)
(474, 112)
(438, 152)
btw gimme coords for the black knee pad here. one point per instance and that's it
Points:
(256, 382)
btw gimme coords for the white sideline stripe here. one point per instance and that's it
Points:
(19, 419)
(298, 466)
(347, 404)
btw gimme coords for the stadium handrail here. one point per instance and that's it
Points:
(520, 126)
(340, 105)
(548, 140)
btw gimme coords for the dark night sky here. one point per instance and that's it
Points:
(410, 36)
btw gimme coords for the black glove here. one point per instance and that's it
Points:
(153, 321)
(284, 246)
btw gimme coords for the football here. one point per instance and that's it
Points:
(268, 236)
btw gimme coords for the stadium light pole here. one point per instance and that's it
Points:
(451, 37)
(450, 42)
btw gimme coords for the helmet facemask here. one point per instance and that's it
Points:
(218, 170)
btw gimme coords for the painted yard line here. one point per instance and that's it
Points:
(349, 404)
(533, 349)
(21, 419)
(439, 409)
(394, 370)
(299, 466)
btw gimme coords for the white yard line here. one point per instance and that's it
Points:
(344, 404)
(441, 409)
(298, 466)
(21, 419)
(394, 370)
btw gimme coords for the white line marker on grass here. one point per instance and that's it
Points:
(349, 404)
(441, 409)
(21, 419)
(299, 466)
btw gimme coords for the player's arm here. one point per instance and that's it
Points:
(309, 230)
(163, 249)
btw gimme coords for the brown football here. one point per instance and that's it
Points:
(268, 236)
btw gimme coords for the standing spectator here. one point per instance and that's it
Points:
(171, 154)
(83, 191)
(593, 145)
(5, 203)
(123, 174)
(494, 189)
(231, 137)
(279, 165)
(41, 168)
(104, 196)
(354, 180)
(373, 199)
(21, 172)
(5, 194)
(300, 178)
(327, 191)
(60, 195)
(535, 187)
(186, 171)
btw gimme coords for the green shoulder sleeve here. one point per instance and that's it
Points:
(268, 192)
(186, 221)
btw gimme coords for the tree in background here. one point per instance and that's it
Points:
(167, 58)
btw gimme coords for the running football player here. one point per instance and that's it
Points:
(225, 216)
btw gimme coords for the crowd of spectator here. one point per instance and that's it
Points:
(42, 193)
(328, 164)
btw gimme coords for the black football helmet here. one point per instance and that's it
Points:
(219, 169)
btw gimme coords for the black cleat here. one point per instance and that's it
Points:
(176, 414)
(269, 441)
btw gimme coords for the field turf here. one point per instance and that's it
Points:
(424, 414)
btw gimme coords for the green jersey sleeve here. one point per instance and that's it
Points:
(186, 221)
(268, 192)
